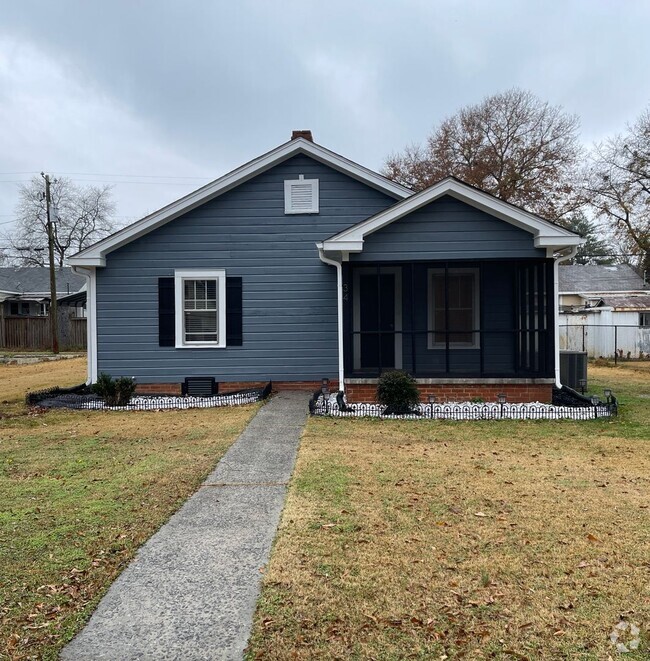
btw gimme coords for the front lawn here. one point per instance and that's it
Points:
(80, 492)
(473, 540)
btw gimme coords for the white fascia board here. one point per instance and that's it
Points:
(86, 261)
(95, 254)
(542, 229)
(347, 246)
(558, 241)
(353, 169)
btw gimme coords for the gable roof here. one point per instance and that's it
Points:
(95, 255)
(599, 279)
(36, 280)
(546, 234)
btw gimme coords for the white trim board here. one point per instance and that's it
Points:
(95, 255)
(546, 234)
(91, 320)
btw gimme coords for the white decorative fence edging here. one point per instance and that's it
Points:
(60, 398)
(464, 411)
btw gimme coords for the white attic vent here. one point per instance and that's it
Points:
(301, 195)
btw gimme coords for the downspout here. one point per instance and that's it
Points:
(91, 320)
(339, 300)
(556, 292)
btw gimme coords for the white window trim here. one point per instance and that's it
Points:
(288, 183)
(200, 274)
(476, 338)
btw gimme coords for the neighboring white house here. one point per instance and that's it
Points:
(604, 310)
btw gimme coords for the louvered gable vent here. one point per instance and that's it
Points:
(301, 195)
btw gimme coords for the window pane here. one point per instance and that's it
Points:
(200, 322)
(460, 320)
(465, 291)
(439, 291)
(200, 289)
(458, 317)
(189, 289)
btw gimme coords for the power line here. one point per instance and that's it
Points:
(108, 174)
(132, 176)
(105, 181)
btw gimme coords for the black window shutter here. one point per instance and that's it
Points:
(166, 313)
(234, 327)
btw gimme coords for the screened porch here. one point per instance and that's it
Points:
(490, 319)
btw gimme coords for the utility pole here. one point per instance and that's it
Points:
(54, 322)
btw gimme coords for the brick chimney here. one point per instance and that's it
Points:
(305, 134)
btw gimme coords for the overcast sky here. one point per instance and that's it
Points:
(188, 90)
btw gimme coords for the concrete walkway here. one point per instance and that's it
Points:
(190, 593)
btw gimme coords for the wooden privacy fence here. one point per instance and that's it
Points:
(33, 333)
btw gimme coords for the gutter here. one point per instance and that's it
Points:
(339, 300)
(556, 287)
(91, 320)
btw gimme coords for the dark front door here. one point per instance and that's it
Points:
(376, 295)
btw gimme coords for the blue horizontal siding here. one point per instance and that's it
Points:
(447, 229)
(289, 295)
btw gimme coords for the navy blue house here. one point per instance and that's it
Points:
(302, 265)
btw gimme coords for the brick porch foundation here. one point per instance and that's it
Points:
(365, 392)
(462, 392)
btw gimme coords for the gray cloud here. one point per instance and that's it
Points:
(196, 88)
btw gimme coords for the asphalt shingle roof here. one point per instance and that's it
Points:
(33, 279)
(592, 278)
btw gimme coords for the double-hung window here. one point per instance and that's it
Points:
(453, 308)
(200, 297)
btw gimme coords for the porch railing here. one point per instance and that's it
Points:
(523, 353)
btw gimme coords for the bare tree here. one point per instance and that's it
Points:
(618, 188)
(81, 216)
(512, 145)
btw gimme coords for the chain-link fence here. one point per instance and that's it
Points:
(613, 341)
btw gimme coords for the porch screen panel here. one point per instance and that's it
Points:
(534, 319)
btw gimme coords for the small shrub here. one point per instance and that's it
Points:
(398, 392)
(114, 392)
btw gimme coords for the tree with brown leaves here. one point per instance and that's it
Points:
(512, 145)
(618, 188)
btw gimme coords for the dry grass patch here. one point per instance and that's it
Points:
(17, 380)
(495, 540)
(80, 492)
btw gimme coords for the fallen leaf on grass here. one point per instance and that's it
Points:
(480, 514)
(517, 655)
(592, 538)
